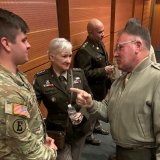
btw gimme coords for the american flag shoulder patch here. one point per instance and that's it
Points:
(20, 110)
(16, 109)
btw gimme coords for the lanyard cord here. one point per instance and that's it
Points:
(71, 97)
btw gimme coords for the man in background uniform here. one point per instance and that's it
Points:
(92, 57)
(22, 134)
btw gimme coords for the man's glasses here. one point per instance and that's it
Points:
(119, 46)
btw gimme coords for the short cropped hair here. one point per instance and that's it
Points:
(133, 21)
(58, 45)
(10, 24)
(140, 31)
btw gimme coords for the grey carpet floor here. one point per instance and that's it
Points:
(101, 152)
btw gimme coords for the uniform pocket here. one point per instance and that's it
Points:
(145, 124)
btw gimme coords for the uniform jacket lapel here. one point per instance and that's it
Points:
(104, 50)
(54, 79)
(69, 80)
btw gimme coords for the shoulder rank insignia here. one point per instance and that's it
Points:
(77, 69)
(41, 72)
(48, 84)
(84, 45)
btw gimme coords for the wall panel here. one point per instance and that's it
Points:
(41, 16)
(147, 12)
(138, 9)
(80, 12)
(122, 13)
(32, 72)
(156, 27)
(88, 3)
(43, 27)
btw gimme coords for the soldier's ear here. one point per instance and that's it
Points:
(51, 57)
(6, 44)
(139, 46)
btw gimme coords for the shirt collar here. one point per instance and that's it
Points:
(143, 64)
(64, 74)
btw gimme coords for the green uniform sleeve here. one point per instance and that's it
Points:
(24, 143)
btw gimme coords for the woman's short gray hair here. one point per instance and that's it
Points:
(58, 45)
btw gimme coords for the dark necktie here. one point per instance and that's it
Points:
(63, 81)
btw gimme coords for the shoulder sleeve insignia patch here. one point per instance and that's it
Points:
(20, 110)
(17, 109)
(19, 126)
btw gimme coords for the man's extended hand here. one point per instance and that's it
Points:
(83, 99)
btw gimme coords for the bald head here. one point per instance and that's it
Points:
(95, 30)
(93, 24)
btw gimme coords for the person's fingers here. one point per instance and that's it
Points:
(77, 115)
(50, 143)
(53, 146)
(83, 98)
(76, 90)
(80, 101)
(80, 93)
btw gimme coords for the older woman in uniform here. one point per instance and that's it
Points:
(52, 87)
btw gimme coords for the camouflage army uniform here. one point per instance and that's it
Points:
(21, 125)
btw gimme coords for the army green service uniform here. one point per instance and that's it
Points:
(56, 98)
(93, 58)
(21, 124)
(133, 110)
